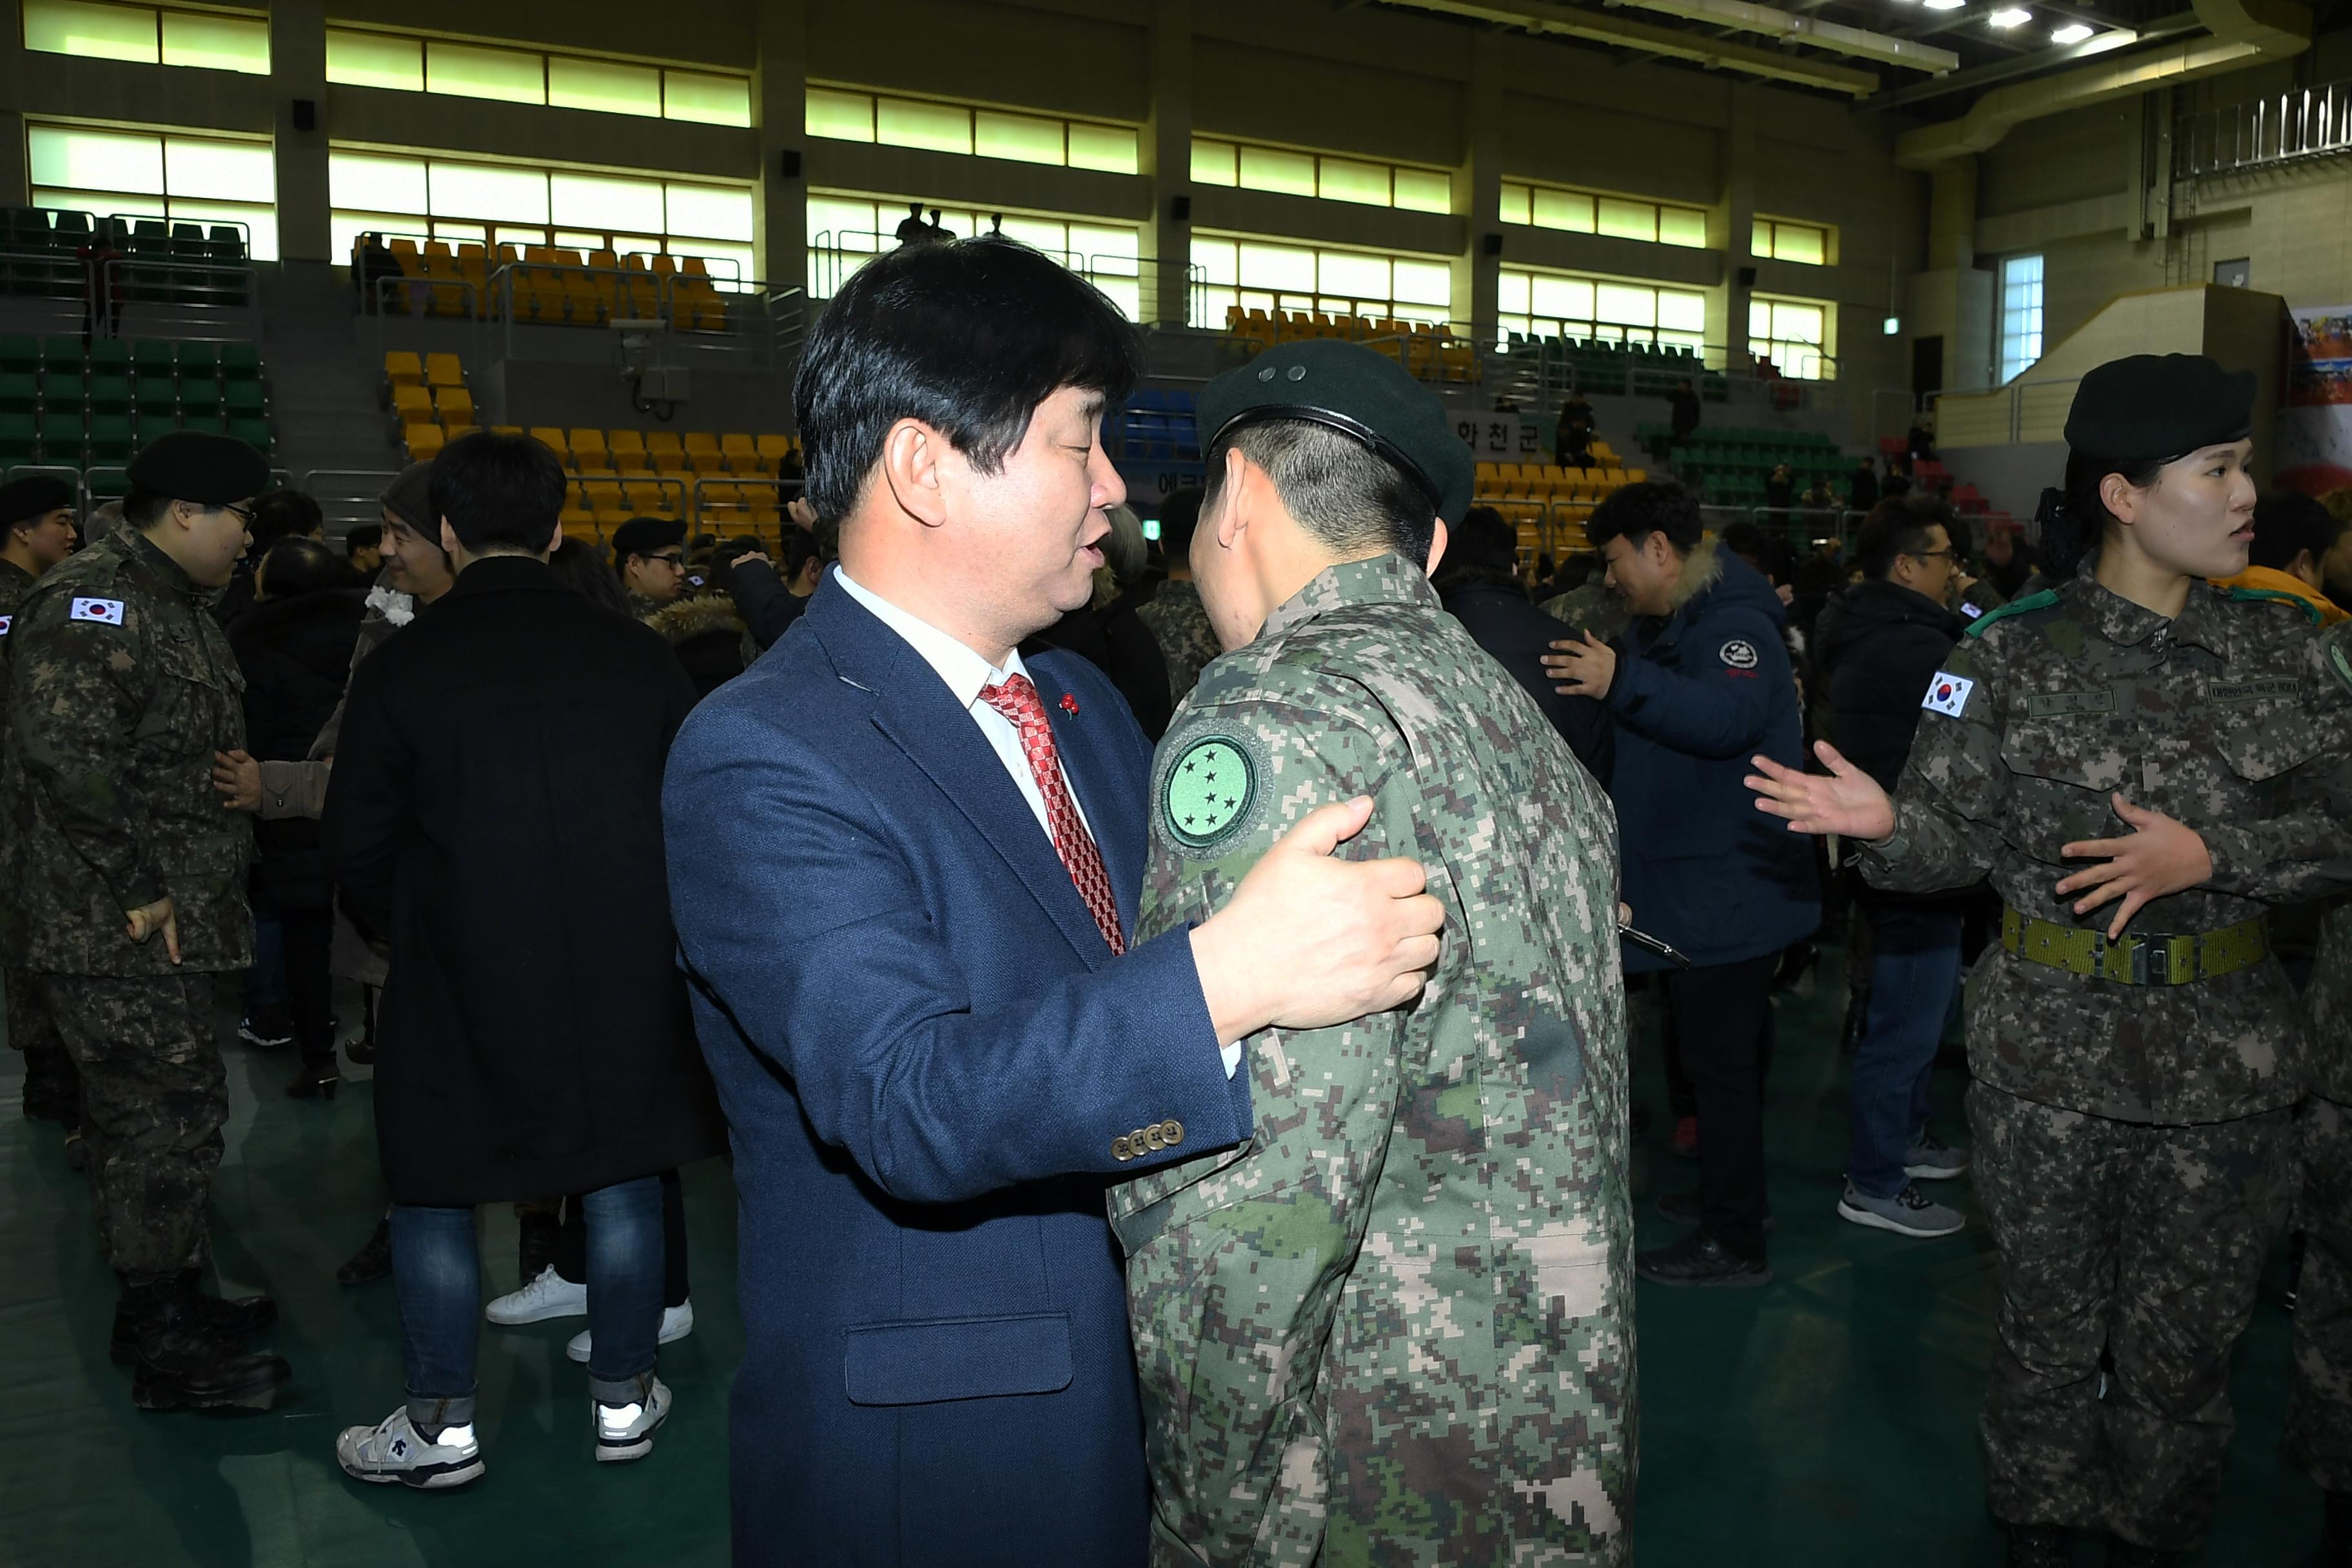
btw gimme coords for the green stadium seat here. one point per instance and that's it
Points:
(108, 356)
(151, 357)
(199, 360)
(240, 361)
(111, 438)
(210, 421)
(20, 392)
(255, 433)
(62, 349)
(20, 438)
(201, 398)
(107, 486)
(227, 245)
(63, 435)
(156, 399)
(243, 399)
(19, 351)
(108, 393)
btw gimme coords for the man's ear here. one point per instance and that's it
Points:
(1230, 521)
(911, 456)
(1436, 549)
(449, 546)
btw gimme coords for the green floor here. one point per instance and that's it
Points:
(1828, 1421)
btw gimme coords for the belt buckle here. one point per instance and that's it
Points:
(2135, 963)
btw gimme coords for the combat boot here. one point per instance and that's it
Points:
(179, 1365)
(2040, 1546)
(232, 1320)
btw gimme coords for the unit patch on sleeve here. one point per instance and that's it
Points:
(107, 612)
(1737, 654)
(1949, 694)
(1212, 787)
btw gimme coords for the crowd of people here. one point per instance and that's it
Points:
(1166, 1004)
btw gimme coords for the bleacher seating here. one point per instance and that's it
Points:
(558, 287)
(1731, 463)
(723, 482)
(1604, 367)
(1430, 350)
(70, 407)
(42, 252)
(1550, 504)
(1156, 426)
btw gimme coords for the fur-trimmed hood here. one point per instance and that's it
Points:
(699, 617)
(1702, 570)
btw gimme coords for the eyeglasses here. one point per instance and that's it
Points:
(679, 559)
(243, 514)
(1930, 554)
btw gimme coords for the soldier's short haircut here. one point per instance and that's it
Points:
(142, 509)
(1636, 511)
(364, 536)
(1353, 501)
(968, 336)
(2287, 524)
(1900, 525)
(298, 564)
(500, 492)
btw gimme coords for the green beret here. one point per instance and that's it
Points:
(34, 495)
(1364, 395)
(2151, 406)
(194, 466)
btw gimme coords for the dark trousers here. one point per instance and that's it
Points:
(572, 1241)
(308, 936)
(52, 1088)
(2320, 1416)
(1719, 1017)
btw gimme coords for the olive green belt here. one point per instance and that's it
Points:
(2150, 958)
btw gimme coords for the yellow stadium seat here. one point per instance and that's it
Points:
(665, 443)
(624, 444)
(774, 450)
(411, 405)
(553, 435)
(423, 441)
(701, 441)
(609, 518)
(455, 404)
(402, 369)
(587, 447)
(444, 370)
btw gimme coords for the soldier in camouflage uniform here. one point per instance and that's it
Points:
(2133, 1093)
(127, 881)
(2319, 1413)
(649, 554)
(36, 532)
(1596, 607)
(1173, 612)
(1396, 1326)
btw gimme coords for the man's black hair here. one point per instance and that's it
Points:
(1352, 502)
(298, 564)
(968, 336)
(1636, 511)
(1903, 526)
(1179, 515)
(282, 514)
(500, 492)
(1483, 548)
(800, 547)
(142, 509)
(2286, 524)
(362, 536)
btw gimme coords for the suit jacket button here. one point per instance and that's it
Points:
(1151, 1137)
(1172, 1132)
(1120, 1151)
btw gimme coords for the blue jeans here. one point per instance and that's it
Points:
(1915, 968)
(265, 982)
(436, 1272)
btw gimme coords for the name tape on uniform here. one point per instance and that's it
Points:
(107, 612)
(1948, 694)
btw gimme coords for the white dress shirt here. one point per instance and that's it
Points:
(967, 674)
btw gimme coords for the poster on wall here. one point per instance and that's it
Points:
(2315, 420)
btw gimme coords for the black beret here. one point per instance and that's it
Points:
(644, 535)
(1359, 392)
(2160, 405)
(197, 466)
(34, 495)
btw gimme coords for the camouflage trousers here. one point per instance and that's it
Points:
(52, 1092)
(154, 1096)
(2319, 1413)
(2145, 1241)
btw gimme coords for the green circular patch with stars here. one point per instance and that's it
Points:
(1211, 787)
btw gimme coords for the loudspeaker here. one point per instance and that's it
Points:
(1747, 277)
(790, 158)
(306, 114)
(1493, 244)
(1179, 209)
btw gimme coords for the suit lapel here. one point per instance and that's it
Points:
(914, 710)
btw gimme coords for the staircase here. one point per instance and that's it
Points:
(333, 436)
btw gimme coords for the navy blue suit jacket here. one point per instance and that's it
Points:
(926, 1050)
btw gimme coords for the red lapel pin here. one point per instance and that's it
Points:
(1069, 704)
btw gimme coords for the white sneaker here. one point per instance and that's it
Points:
(676, 1323)
(549, 1296)
(625, 1432)
(392, 1450)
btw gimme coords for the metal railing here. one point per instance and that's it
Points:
(834, 254)
(348, 496)
(2024, 410)
(2254, 133)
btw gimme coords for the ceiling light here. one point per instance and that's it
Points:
(2015, 17)
(1944, 5)
(2072, 33)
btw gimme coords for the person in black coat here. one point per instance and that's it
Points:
(1892, 631)
(294, 648)
(1478, 582)
(495, 813)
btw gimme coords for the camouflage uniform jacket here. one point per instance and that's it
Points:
(122, 688)
(2329, 998)
(1396, 1325)
(1596, 607)
(2226, 718)
(1179, 625)
(15, 587)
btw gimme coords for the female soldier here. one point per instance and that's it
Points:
(2132, 1091)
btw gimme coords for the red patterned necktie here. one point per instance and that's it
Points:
(1017, 699)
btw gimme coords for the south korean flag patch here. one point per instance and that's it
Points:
(1949, 694)
(5, 622)
(106, 612)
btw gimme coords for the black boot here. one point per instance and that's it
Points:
(2122, 1553)
(2335, 1547)
(232, 1320)
(178, 1364)
(372, 1262)
(2040, 1546)
(315, 1080)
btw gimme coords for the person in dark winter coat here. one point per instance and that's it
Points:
(1698, 684)
(1478, 582)
(1876, 657)
(294, 648)
(495, 811)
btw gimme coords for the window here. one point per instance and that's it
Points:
(181, 179)
(1605, 310)
(1593, 212)
(1270, 275)
(845, 114)
(206, 38)
(2020, 314)
(1794, 335)
(1777, 240)
(510, 204)
(405, 64)
(1292, 173)
(845, 229)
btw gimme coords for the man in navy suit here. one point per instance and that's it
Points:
(904, 863)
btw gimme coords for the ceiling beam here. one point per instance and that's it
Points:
(1616, 28)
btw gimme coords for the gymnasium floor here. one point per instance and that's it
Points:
(1826, 1422)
